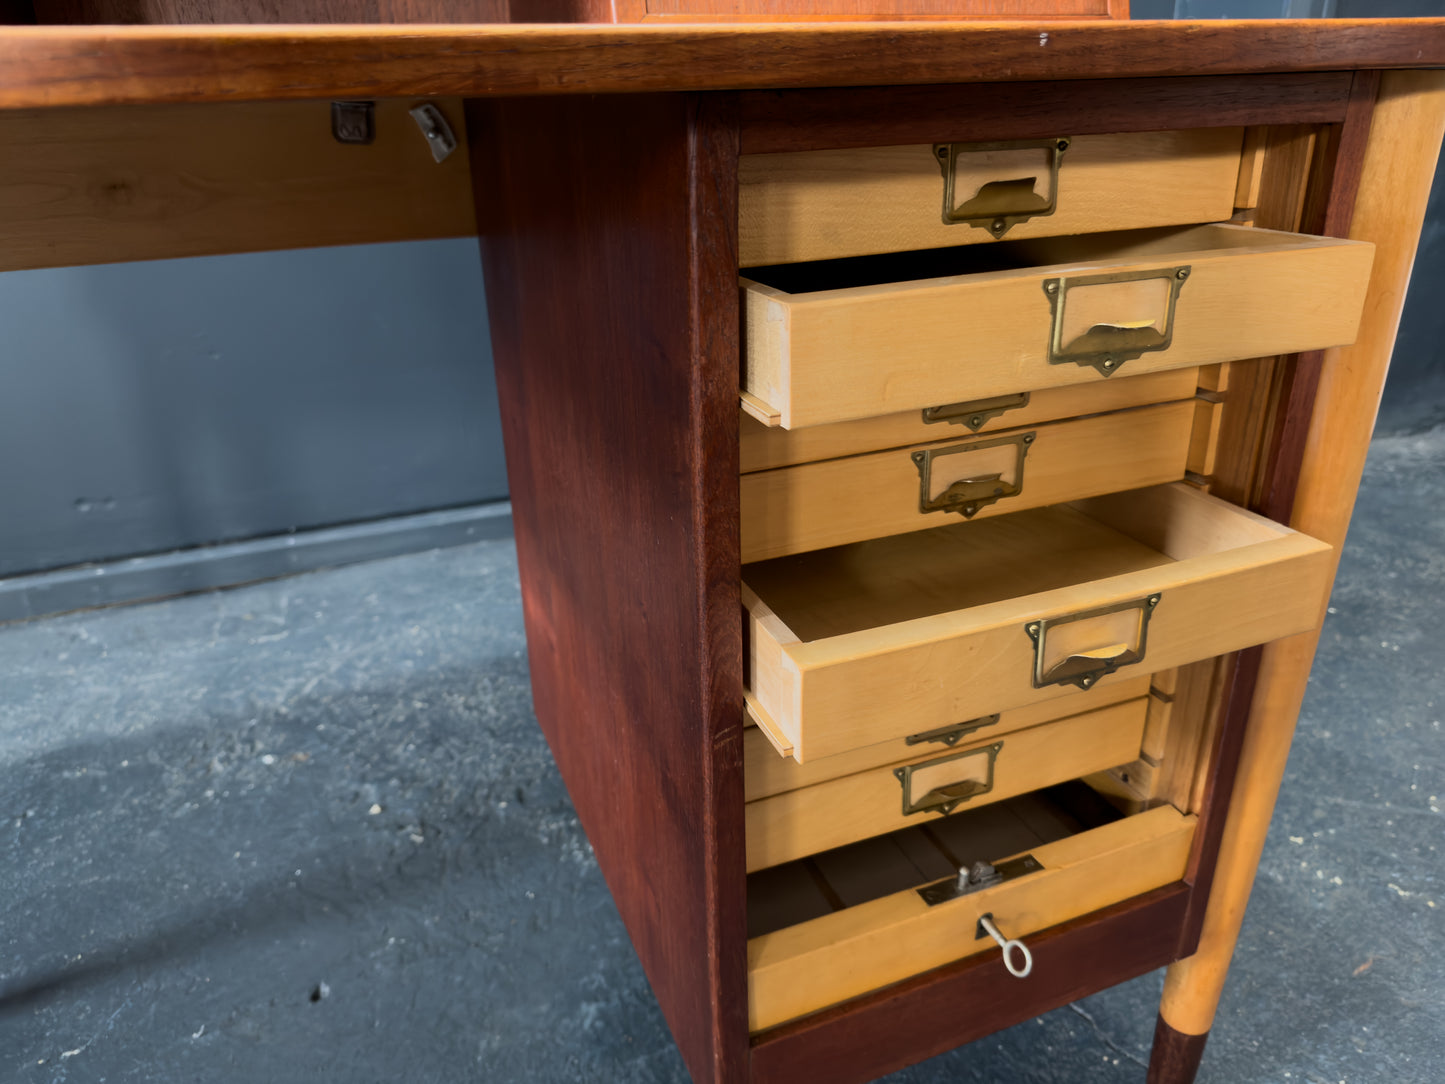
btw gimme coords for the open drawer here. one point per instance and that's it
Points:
(843, 923)
(826, 342)
(877, 640)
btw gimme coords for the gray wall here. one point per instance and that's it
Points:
(152, 406)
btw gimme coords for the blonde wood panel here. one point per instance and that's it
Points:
(1400, 159)
(1251, 164)
(1204, 437)
(832, 355)
(837, 501)
(98, 185)
(887, 638)
(766, 773)
(803, 968)
(818, 818)
(763, 446)
(820, 205)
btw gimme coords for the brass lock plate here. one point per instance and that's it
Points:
(970, 881)
(993, 471)
(1080, 648)
(1105, 320)
(995, 186)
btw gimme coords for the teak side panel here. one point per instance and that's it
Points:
(86, 186)
(613, 321)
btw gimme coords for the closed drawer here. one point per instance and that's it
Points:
(838, 953)
(858, 644)
(936, 782)
(830, 342)
(765, 773)
(820, 205)
(766, 447)
(849, 499)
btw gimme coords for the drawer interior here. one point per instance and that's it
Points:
(1055, 253)
(808, 888)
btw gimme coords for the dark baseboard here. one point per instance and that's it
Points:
(205, 568)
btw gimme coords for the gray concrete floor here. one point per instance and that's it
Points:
(308, 831)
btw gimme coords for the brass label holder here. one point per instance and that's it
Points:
(977, 413)
(948, 797)
(952, 735)
(1085, 668)
(967, 495)
(1106, 347)
(999, 205)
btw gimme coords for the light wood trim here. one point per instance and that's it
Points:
(818, 818)
(765, 445)
(803, 968)
(837, 501)
(85, 186)
(843, 691)
(760, 722)
(1400, 158)
(1204, 437)
(1251, 163)
(833, 355)
(765, 773)
(757, 412)
(822, 205)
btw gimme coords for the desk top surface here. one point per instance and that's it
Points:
(93, 65)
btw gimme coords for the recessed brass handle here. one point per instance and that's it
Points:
(977, 413)
(995, 186)
(1080, 648)
(993, 470)
(943, 784)
(952, 735)
(1105, 320)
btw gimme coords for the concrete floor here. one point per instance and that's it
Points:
(308, 831)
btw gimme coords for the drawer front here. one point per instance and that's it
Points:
(1139, 581)
(765, 773)
(762, 447)
(1205, 295)
(822, 205)
(840, 811)
(837, 501)
(801, 969)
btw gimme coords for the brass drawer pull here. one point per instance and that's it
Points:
(986, 478)
(1081, 648)
(952, 735)
(1005, 184)
(942, 789)
(977, 413)
(1106, 320)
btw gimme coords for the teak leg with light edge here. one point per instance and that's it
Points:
(1408, 124)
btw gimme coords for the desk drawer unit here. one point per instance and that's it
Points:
(820, 205)
(827, 342)
(852, 645)
(936, 781)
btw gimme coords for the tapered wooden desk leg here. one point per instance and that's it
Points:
(1408, 124)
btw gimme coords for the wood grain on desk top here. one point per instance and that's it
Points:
(51, 66)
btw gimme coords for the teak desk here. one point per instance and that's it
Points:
(622, 178)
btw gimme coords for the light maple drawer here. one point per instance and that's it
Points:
(820, 205)
(936, 782)
(858, 338)
(766, 772)
(813, 505)
(858, 644)
(889, 911)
